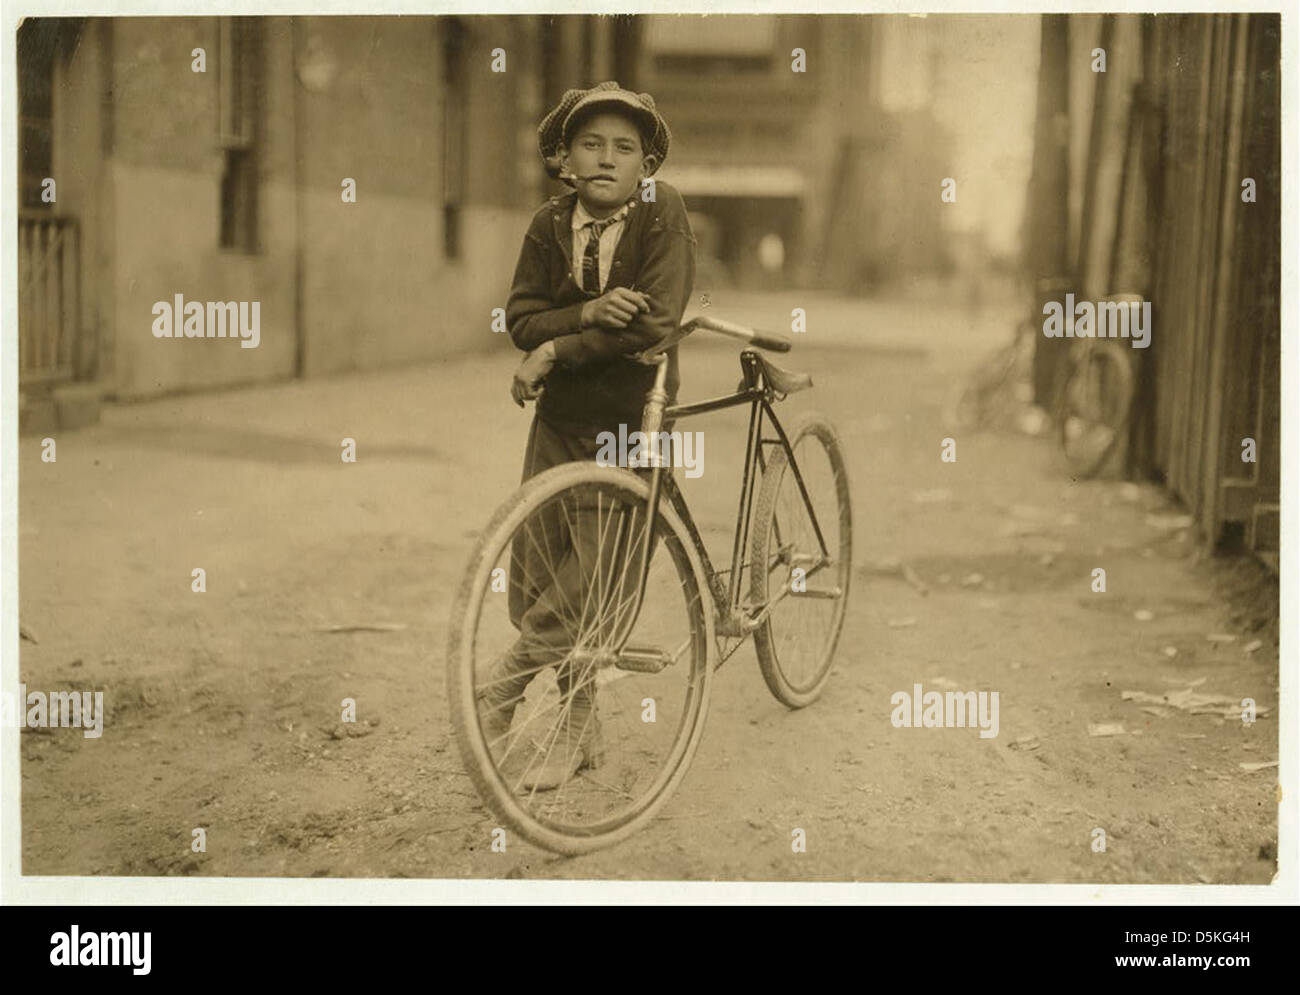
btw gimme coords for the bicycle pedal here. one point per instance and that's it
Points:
(643, 660)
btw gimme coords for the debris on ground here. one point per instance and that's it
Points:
(349, 730)
(1251, 768)
(891, 566)
(901, 623)
(910, 576)
(1106, 729)
(1252, 646)
(1143, 615)
(936, 495)
(1192, 702)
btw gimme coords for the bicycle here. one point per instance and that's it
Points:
(998, 388)
(1096, 397)
(646, 618)
(999, 391)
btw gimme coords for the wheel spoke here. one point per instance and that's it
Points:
(800, 618)
(546, 661)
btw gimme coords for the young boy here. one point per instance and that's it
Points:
(605, 271)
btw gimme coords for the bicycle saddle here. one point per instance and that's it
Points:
(783, 381)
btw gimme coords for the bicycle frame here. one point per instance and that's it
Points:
(755, 391)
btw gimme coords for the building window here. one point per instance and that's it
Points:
(239, 79)
(37, 47)
(679, 45)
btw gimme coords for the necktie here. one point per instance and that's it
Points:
(591, 254)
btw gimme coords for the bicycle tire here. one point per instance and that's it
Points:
(805, 689)
(475, 752)
(1104, 426)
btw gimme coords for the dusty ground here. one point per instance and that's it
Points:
(223, 707)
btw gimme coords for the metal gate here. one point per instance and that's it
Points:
(48, 305)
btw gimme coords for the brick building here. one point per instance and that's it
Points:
(227, 184)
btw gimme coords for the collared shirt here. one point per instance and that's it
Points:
(608, 240)
(594, 386)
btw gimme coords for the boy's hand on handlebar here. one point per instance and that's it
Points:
(614, 309)
(527, 384)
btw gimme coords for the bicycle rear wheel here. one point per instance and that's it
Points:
(548, 597)
(803, 588)
(1095, 405)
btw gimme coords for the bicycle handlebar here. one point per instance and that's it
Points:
(763, 340)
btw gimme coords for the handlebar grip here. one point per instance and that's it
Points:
(771, 341)
(763, 340)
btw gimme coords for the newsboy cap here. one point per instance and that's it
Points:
(556, 128)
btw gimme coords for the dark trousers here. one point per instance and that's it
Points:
(568, 563)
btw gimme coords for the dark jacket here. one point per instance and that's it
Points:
(594, 385)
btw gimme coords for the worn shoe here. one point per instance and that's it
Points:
(579, 746)
(497, 700)
(496, 724)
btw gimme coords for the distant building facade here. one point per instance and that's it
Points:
(216, 158)
(780, 139)
(229, 184)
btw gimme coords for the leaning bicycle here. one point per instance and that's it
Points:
(1095, 401)
(642, 617)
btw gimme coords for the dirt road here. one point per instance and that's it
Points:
(223, 707)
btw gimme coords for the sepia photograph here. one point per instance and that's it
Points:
(648, 447)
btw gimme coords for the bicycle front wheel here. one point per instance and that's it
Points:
(577, 699)
(801, 561)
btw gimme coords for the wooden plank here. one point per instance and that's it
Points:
(53, 306)
(24, 309)
(1265, 528)
(37, 360)
(1222, 338)
(1199, 283)
(1237, 498)
(67, 317)
(1198, 52)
